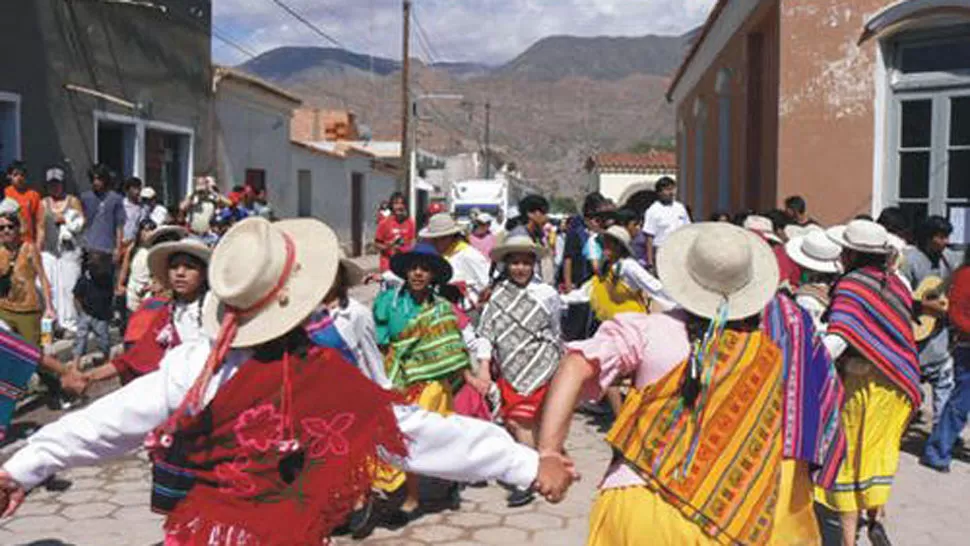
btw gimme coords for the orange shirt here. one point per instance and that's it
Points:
(29, 201)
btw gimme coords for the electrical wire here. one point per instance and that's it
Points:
(309, 24)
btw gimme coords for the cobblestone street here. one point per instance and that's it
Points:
(108, 505)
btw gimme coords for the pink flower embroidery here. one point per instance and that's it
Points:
(233, 479)
(328, 436)
(259, 428)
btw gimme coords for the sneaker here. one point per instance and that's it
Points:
(878, 535)
(362, 522)
(520, 497)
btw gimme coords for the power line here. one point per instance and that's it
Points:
(219, 35)
(296, 15)
(432, 52)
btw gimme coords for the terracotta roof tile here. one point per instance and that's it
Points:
(654, 159)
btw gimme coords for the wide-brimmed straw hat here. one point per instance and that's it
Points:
(795, 230)
(176, 232)
(862, 236)
(815, 251)
(160, 256)
(763, 226)
(354, 273)
(704, 266)
(422, 253)
(269, 277)
(440, 225)
(621, 236)
(514, 244)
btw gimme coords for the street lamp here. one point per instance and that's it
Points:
(413, 155)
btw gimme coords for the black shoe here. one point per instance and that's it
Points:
(878, 535)
(520, 497)
(363, 521)
(941, 469)
(454, 497)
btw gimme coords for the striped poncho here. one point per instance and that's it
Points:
(812, 430)
(18, 362)
(423, 342)
(872, 311)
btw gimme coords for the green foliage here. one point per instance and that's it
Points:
(644, 146)
(563, 205)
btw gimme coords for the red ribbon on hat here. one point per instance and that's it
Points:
(228, 328)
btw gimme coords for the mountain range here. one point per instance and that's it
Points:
(561, 100)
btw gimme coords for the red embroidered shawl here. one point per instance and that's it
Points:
(146, 350)
(241, 495)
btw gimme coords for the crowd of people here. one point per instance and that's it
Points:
(760, 369)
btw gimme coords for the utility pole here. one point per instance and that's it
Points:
(488, 144)
(406, 110)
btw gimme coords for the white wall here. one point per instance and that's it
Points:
(253, 133)
(615, 185)
(331, 191)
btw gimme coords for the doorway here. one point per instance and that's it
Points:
(165, 167)
(9, 128)
(357, 213)
(116, 147)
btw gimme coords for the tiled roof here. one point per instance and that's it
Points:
(654, 159)
(225, 72)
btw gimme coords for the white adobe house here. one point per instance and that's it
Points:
(620, 176)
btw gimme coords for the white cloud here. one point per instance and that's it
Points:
(490, 31)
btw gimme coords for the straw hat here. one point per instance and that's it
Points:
(271, 275)
(862, 236)
(514, 243)
(147, 192)
(483, 218)
(160, 255)
(795, 230)
(440, 225)
(705, 265)
(815, 251)
(620, 235)
(178, 232)
(763, 226)
(354, 273)
(422, 253)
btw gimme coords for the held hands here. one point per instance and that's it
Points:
(556, 473)
(11, 495)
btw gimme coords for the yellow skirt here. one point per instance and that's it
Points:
(632, 516)
(875, 416)
(435, 396)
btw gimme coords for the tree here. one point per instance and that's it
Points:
(563, 205)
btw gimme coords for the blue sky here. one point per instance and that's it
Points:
(491, 31)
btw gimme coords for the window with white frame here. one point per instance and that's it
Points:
(929, 122)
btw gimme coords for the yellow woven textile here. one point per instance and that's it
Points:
(731, 489)
(875, 416)
(612, 296)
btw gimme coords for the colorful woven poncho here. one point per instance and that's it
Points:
(424, 342)
(812, 430)
(18, 361)
(872, 311)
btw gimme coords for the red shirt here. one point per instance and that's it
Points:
(390, 230)
(960, 301)
(29, 201)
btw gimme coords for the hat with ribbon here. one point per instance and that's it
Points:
(422, 253)
(515, 243)
(160, 256)
(763, 226)
(440, 225)
(712, 267)
(863, 236)
(815, 251)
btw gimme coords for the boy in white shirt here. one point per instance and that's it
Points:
(664, 216)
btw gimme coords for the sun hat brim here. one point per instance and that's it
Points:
(316, 249)
(165, 230)
(794, 250)
(751, 299)
(499, 253)
(837, 234)
(354, 273)
(621, 242)
(159, 256)
(428, 234)
(402, 263)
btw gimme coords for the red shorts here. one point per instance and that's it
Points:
(518, 407)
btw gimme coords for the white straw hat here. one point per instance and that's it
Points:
(160, 255)
(620, 235)
(177, 232)
(440, 225)
(705, 265)
(815, 251)
(516, 243)
(147, 192)
(862, 236)
(762, 225)
(795, 230)
(271, 276)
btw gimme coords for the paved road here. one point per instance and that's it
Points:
(108, 506)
